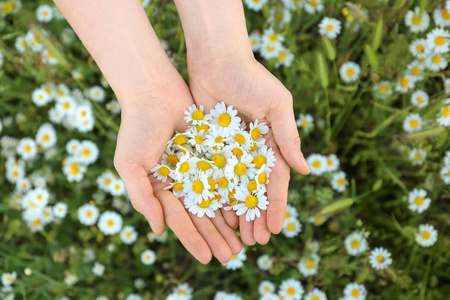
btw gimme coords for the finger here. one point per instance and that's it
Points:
(246, 229)
(260, 231)
(216, 242)
(277, 191)
(230, 217)
(178, 220)
(286, 135)
(140, 191)
(228, 234)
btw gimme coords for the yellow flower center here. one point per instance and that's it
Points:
(197, 186)
(164, 171)
(414, 123)
(180, 140)
(419, 99)
(251, 201)
(172, 160)
(203, 165)
(219, 161)
(86, 152)
(45, 138)
(240, 169)
(204, 203)
(223, 182)
(255, 133)
(316, 164)
(350, 72)
(426, 235)
(310, 264)
(446, 111)
(224, 120)
(315, 297)
(74, 169)
(416, 71)
(417, 156)
(36, 222)
(417, 20)
(291, 291)
(439, 41)
(446, 14)
(282, 55)
(262, 178)
(290, 227)
(212, 183)
(380, 258)
(404, 82)
(239, 138)
(128, 234)
(184, 167)
(419, 200)
(27, 148)
(109, 223)
(355, 244)
(273, 37)
(203, 127)
(318, 219)
(341, 181)
(199, 139)
(305, 123)
(436, 59)
(218, 139)
(88, 214)
(253, 147)
(420, 48)
(355, 293)
(197, 115)
(178, 186)
(238, 152)
(329, 27)
(259, 161)
(270, 48)
(252, 185)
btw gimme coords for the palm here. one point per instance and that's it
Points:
(256, 94)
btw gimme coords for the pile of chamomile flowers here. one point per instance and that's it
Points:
(218, 162)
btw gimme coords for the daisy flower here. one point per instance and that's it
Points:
(436, 62)
(110, 222)
(312, 6)
(444, 115)
(225, 117)
(236, 261)
(205, 207)
(445, 174)
(332, 163)
(66, 105)
(262, 177)
(255, 39)
(196, 139)
(405, 84)
(427, 235)
(34, 219)
(309, 265)
(419, 48)
(318, 164)
(240, 137)
(266, 287)
(251, 203)
(96, 93)
(291, 227)
(438, 40)
(412, 123)
(117, 187)
(416, 21)
(420, 98)
(417, 156)
(269, 37)
(291, 211)
(60, 210)
(380, 258)
(184, 291)
(339, 182)
(313, 246)
(215, 139)
(305, 121)
(330, 27)
(415, 70)
(98, 269)
(442, 17)
(161, 172)
(255, 5)
(264, 156)
(185, 167)
(88, 152)
(264, 262)
(194, 115)
(270, 50)
(354, 291)
(128, 235)
(285, 58)
(105, 180)
(291, 289)
(224, 183)
(349, 72)
(46, 136)
(355, 243)
(148, 257)
(241, 169)
(257, 130)
(418, 201)
(315, 294)
(27, 148)
(197, 188)
(44, 13)
(8, 278)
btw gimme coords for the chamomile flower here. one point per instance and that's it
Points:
(270, 50)
(34, 219)
(96, 93)
(44, 13)
(21, 44)
(110, 222)
(291, 211)
(309, 265)
(98, 269)
(318, 164)
(117, 187)
(427, 235)
(264, 262)
(284, 58)
(66, 105)
(442, 17)
(355, 243)
(60, 210)
(105, 180)
(88, 214)
(194, 115)
(161, 172)
(225, 183)
(443, 117)
(354, 291)
(241, 137)
(415, 70)
(333, 163)
(312, 6)
(313, 246)
(291, 289)
(417, 156)
(330, 27)
(46, 136)
(205, 207)
(404, 84)
(349, 71)
(23, 185)
(184, 291)
(250, 204)
(257, 130)
(196, 139)
(418, 201)
(49, 58)
(27, 149)
(270, 37)
(420, 98)
(305, 121)
(255, 5)
(197, 188)
(315, 294)
(73, 169)
(445, 174)
(225, 117)
(236, 261)
(215, 139)
(241, 169)
(266, 287)
(413, 122)
(439, 40)
(436, 62)
(339, 182)
(380, 258)
(291, 227)
(419, 48)
(128, 235)
(417, 21)
(148, 257)
(88, 152)
(8, 278)
(255, 39)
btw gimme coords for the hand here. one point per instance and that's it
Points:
(149, 119)
(241, 81)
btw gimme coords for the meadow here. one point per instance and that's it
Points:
(371, 85)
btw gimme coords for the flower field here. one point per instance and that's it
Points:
(371, 88)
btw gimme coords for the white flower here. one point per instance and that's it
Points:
(117, 187)
(88, 152)
(330, 27)
(309, 265)
(355, 243)
(88, 214)
(60, 210)
(380, 258)
(8, 278)
(256, 5)
(439, 40)
(318, 164)
(197, 188)
(264, 156)
(264, 262)
(349, 71)
(442, 17)
(405, 84)
(312, 6)
(224, 117)
(354, 291)
(73, 169)
(419, 48)
(44, 13)
(148, 257)
(418, 201)
(110, 222)
(195, 115)
(313, 246)
(40, 97)
(444, 114)
(105, 180)
(236, 261)
(255, 38)
(27, 148)
(427, 235)
(241, 169)
(291, 289)
(266, 287)
(98, 269)
(420, 98)
(315, 294)
(128, 235)
(46, 136)
(88, 255)
(445, 174)
(205, 207)
(417, 156)
(291, 227)
(96, 93)
(291, 211)
(333, 163)
(305, 121)
(251, 203)
(285, 58)
(184, 291)
(34, 219)
(416, 21)
(339, 181)
(413, 122)
(436, 62)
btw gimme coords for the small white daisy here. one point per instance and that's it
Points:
(128, 235)
(266, 287)
(427, 235)
(354, 291)
(309, 265)
(264, 262)
(250, 203)
(349, 71)
(330, 27)
(339, 181)
(420, 98)
(98, 269)
(318, 164)
(418, 201)
(236, 261)
(148, 257)
(439, 40)
(443, 117)
(417, 156)
(110, 222)
(405, 83)
(88, 214)
(205, 207)
(291, 227)
(291, 289)
(195, 115)
(305, 121)
(225, 117)
(412, 123)
(416, 21)
(380, 258)
(355, 243)
(315, 294)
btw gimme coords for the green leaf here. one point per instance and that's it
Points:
(371, 56)
(378, 35)
(337, 206)
(399, 4)
(422, 5)
(322, 69)
(330, 52)
(377, 185)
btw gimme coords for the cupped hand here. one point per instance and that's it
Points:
(149, 119)
(241, 81)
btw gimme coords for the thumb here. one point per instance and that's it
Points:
(286, 136)
(140, 191)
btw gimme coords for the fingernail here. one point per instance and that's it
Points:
(305, 164)
(152, 226)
